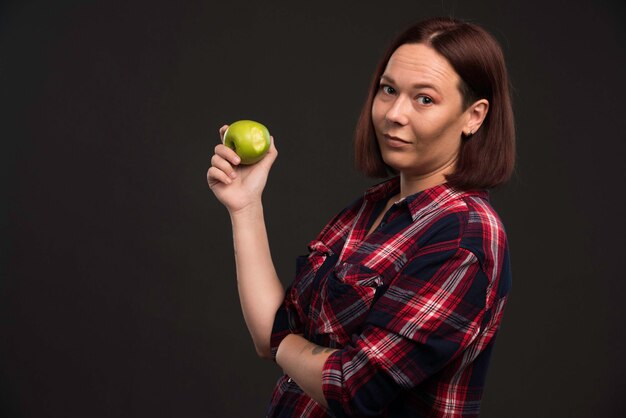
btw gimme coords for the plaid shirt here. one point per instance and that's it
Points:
(414, 307)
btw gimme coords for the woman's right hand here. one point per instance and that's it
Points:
(238, 186)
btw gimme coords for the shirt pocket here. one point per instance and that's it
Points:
(348, 294)
(308, 265)
(302, 289)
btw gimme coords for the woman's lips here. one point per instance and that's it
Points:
(395, 142)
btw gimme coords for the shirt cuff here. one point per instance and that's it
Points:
(282, 327)
(332, 383)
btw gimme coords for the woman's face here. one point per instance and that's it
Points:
(417, 113)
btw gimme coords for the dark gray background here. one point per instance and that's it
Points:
(118, 295)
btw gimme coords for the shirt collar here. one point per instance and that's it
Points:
(424, 201)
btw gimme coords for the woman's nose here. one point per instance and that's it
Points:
(398, 112)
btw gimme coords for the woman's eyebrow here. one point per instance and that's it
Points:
(415, 86)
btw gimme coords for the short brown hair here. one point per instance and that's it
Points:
(487, 158)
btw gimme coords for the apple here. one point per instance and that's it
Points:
(249, 139)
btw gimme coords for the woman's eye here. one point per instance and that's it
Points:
(425, 100)
(387, 89)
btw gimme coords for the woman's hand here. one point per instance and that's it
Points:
(238, 186)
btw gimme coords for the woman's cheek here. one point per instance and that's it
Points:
(377, 112)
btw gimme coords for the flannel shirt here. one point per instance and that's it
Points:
(414, 307)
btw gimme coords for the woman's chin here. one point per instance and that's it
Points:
(397, 165)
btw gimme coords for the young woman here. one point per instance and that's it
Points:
(395, 309)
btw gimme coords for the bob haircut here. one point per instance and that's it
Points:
(487, 158)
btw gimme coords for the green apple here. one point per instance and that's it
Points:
(249, 139)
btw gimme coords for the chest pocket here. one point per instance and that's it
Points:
(309, 269)
(345, 300)
(309, 265)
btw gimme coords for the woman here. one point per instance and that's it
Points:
(394, 311)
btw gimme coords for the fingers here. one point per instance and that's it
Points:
(225, 152)
(215, 175)
(228, 154)
(223, 165)
(223, 130)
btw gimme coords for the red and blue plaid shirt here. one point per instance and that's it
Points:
(414, 307)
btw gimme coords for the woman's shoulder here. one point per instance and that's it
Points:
(473, 210)
(482, 218)
(484, 233)
(466, 218)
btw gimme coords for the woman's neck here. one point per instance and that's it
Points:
(411, 183)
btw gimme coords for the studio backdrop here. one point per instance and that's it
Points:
(118, 295)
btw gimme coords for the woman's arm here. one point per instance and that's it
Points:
(304, 361)
(260, 290)
(239, 189)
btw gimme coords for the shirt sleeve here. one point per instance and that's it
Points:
(286, 321)
(430, 313)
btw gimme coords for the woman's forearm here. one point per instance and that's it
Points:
(260, 290)
(304, 362)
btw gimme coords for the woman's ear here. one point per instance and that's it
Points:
(476, 114)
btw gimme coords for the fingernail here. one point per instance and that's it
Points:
(233, 174)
